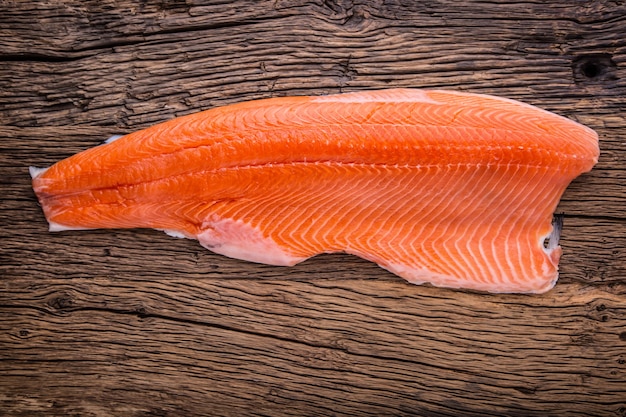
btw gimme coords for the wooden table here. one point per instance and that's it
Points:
(136, 323)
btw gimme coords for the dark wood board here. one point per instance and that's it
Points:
(136, 323)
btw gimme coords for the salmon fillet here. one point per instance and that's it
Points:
(453, 189)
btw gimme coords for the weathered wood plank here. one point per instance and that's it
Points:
(137, 323)
(76, 26)
(241, 339)
(523, 52)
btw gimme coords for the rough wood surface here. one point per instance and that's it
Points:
(135, 323)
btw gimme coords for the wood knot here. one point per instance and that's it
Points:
(350, 16)
(526, 390)
(141, 312)
(63, 301)
(340, 8)
(594, 68)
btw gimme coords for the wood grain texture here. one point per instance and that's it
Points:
(136, 323)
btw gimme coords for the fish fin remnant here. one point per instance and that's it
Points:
(174, 233)
(113, 138)
(35, 172)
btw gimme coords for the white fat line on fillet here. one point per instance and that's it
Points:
(534, 205)
(351, 197)
(485, 179)
(429, 243)
(281, 213)
(272, 206)
(370, 247)
(472, 97)
(404, 246)
(439, 243)
(537, 205)
(393, 191)
(517, 226)
(549, 190)
(365, 212)
(499, 205)
(446, 184)
(508, 214)
(459, 236)
(450, 236)
(389, 247)
(505, 190)
(329, 210)
(288, 224)
(514, 227)
(475, 252)
(351, 193)
(417, 239)
(534, 188)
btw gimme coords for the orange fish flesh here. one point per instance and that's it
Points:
(453, 189)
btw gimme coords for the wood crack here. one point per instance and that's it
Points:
(581, 216)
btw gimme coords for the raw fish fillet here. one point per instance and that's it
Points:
(452, 189)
